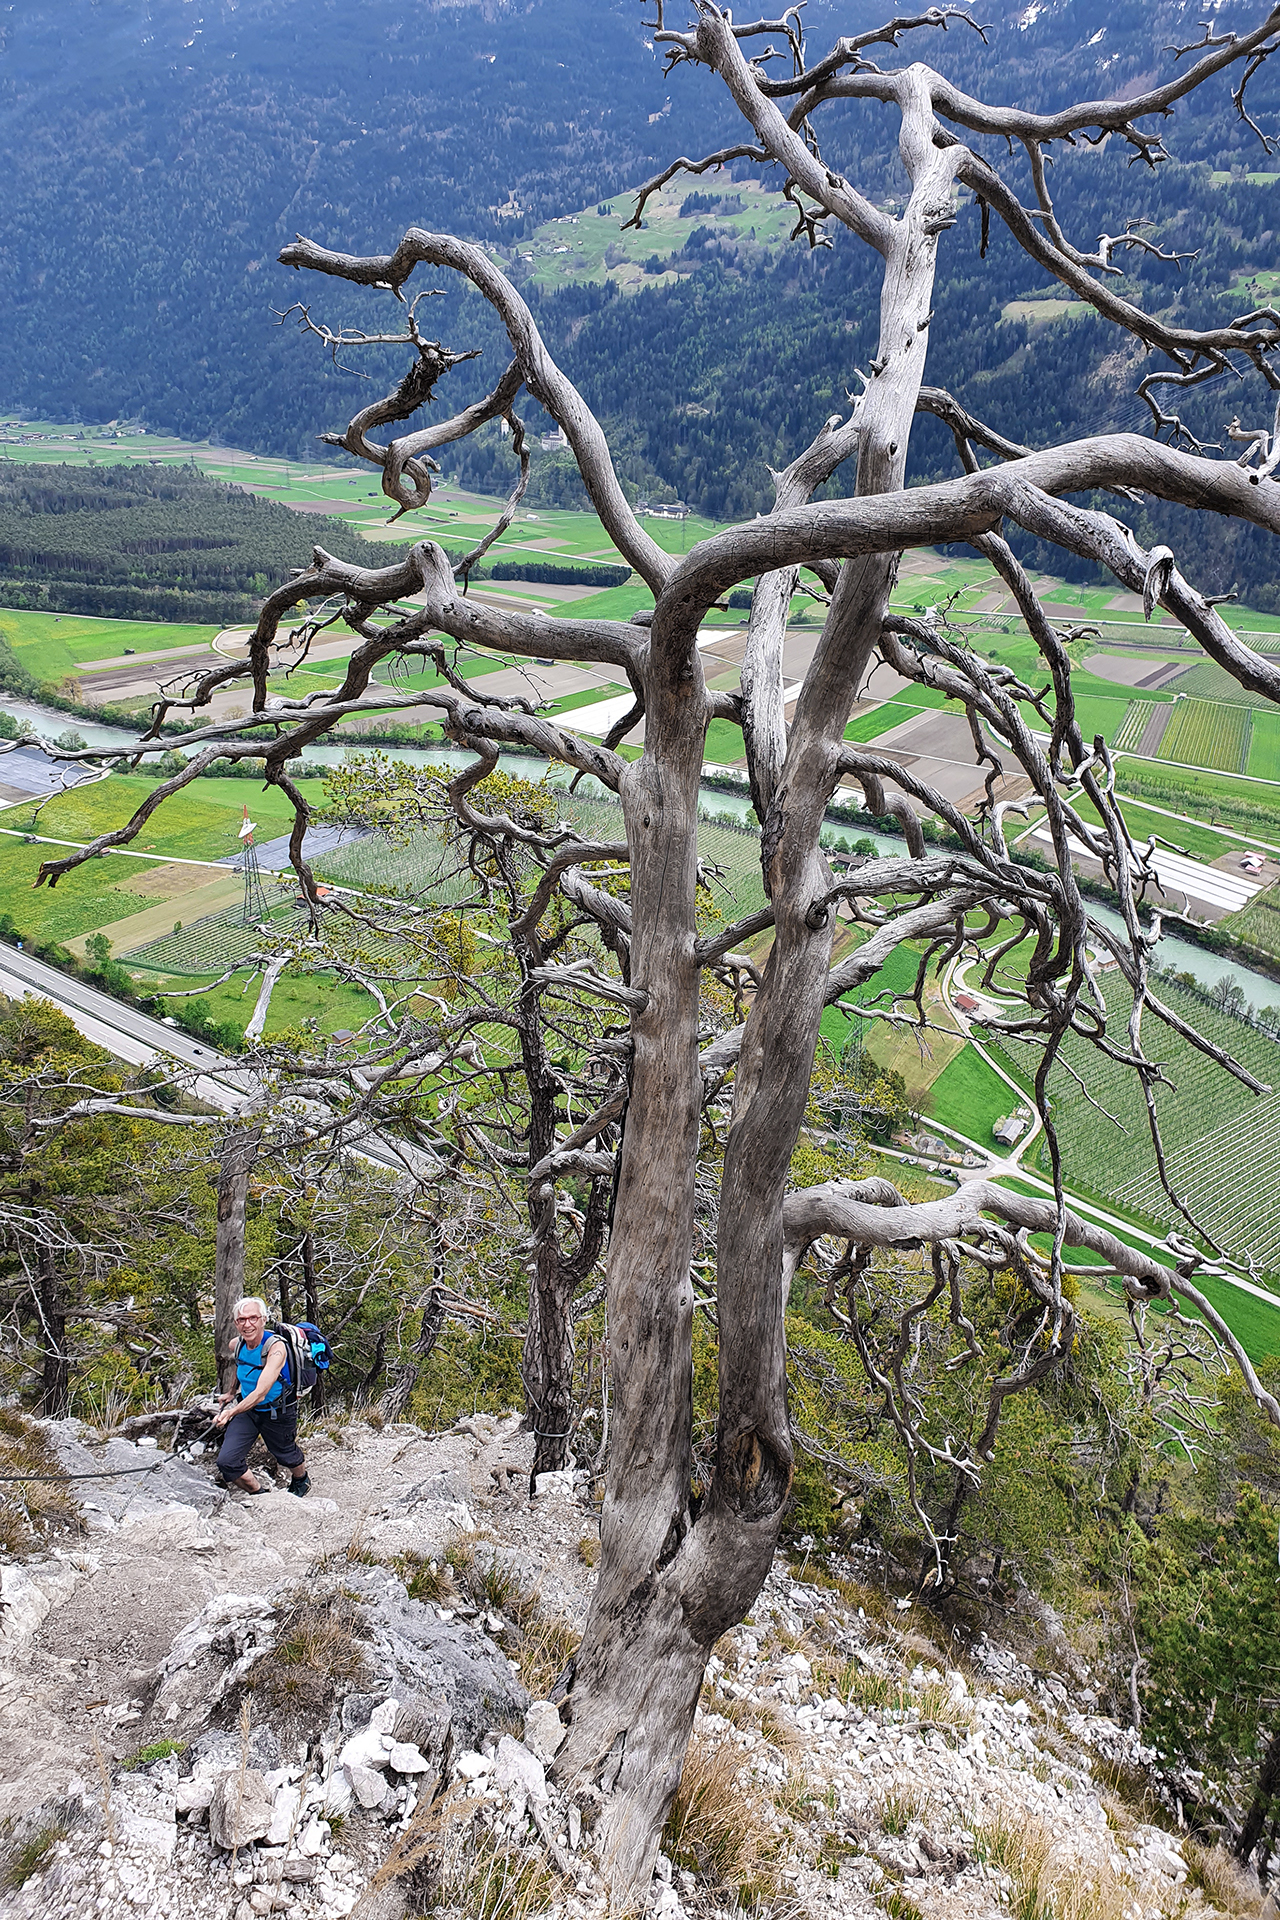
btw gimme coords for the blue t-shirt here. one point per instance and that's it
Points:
(249, 1364)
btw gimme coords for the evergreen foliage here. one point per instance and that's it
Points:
(152, 542)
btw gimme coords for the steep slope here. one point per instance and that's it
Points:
(225, 1706)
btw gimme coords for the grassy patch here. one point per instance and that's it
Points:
(719, 1826)
(1264, 747)
(317, 1656)
(29, 1509)
(969, 1096)
(53, 645)
(724, 744)
(199, 823)
(21, 1859)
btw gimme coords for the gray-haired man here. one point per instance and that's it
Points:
(261, 1405)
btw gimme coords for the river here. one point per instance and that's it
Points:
(1206, 967)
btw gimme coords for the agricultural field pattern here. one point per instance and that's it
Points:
(1195, 760)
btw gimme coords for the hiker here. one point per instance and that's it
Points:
(264, 1405)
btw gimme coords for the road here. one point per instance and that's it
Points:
(142, 1041)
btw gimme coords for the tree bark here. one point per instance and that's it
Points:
(238, 1156)
(1267, 1788)
(640, 1664)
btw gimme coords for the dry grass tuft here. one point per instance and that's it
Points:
(486, 1582)
(589, 1550)
(720, 1824)
(317, 1656)
(1220, 1878)
(1044, 1886)
(426, 1579)
(30, 1509)
(547, 1645)
(900, 1807)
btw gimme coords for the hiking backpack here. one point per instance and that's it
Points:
(309, 1354)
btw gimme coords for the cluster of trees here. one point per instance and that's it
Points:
(151, 542)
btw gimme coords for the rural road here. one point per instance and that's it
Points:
(140, 1040)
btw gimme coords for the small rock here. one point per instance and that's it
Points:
(407, 1759)
(315, 1838)
(368, 1786)
(239, 1809)
(194, 1795)
(284, 1816)
(383, 1718)
(517, 1767)
(356, 1709)
(338, 1797)
(472, 1766)
(368, 1748)
(544, 1733)
(300, 1869)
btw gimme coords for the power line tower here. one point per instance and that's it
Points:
(255, 898)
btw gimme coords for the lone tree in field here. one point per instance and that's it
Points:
(675, 1575)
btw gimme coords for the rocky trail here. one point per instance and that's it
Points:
(215, 1707)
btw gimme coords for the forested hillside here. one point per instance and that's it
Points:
(153, 543)
(158, 159)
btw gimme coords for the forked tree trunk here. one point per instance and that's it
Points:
(670, 1584)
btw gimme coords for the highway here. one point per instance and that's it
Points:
(142, 1041)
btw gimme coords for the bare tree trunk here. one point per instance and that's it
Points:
(238, 1156)
(1267, 1788)
(286, 1299)
(642, 1656)
(668, 1587)
(398, 1395)
(55, 1390)
(548, 1360)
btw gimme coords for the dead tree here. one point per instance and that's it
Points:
(672, 1578)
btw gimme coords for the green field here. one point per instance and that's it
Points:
(1264, 746)
(54, 645)
(903, 706)
(298, 997)
(1130, 730)
(591, 245)
(1207, 733)
(1255, 1324)
(970, 1097)
(1259, 923)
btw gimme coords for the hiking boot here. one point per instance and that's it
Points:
(301, 1487)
